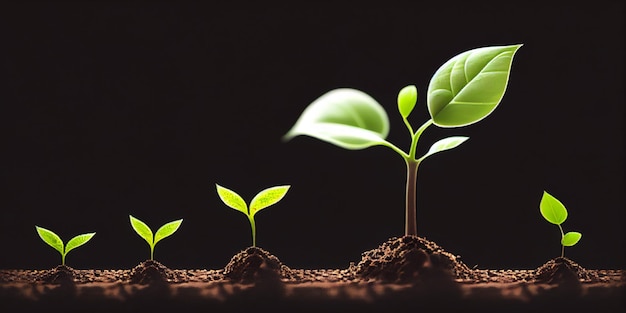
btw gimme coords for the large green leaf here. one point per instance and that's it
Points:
(552, 209)
(78, 241)
(444, 144)
(142, 230)
(50, 238)
(345, 117)
(232, 199)
(167, 230)
(571, 238)
(469, 86)
(267, 197)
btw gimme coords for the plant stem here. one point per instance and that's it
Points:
(63, 259)
(416, 138)
(253, 226)
(151, 252)
(411, 209)
(562, 245)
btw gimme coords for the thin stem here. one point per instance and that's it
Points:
(416, 138)
(411, 208)
(63, 259)
(151, 252)
(408, 126)
(394, 148)
(253, 226)
(562, 235)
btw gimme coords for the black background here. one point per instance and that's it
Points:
(116, 109)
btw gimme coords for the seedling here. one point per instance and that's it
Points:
(463, 91)
(146, 233)
(261, 201)
(554, 212)
(55, 241)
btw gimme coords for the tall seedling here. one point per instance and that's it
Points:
(463, 91)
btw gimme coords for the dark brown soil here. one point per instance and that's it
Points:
(403, 274)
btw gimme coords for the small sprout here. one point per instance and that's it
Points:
(261, 201)
(55, 241)
(554, 212)
(146, 233)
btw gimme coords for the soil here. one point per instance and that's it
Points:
(403, 274)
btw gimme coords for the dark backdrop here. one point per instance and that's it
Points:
(117, 109)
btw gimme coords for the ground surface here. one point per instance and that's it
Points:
(402, 274)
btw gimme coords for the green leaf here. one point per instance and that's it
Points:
(267, 197)
(407, 97)
(345, 117)
(444, 144)
(571, 238)
(167, 230)
(469, 86)
(50, 238)
(78, 241)
(552, 209)
(142, 229)
(232, 199)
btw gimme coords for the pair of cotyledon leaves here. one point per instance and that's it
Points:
(463, 91)
(554, 212)
(262, 200)
(55, 241)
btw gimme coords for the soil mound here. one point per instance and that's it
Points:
(256, 265)
(61, 274)
(151, 271)
(562, 270)
(410, 258)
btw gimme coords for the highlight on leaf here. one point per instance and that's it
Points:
(261, 200)
(53, 240)
(144, 231)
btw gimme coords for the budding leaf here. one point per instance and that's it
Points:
(407, 97)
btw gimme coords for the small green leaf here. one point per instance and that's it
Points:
(345, 117)
(407, 97)
(167, 230)
(444, 144)
(267, 197)
(78, 241)
(469, 86)
(142, 230)
(552, 209)
(571, 238)
(232, 199)
(50, 238)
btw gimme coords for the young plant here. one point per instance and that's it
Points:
(554, 212)
(55, 241)
(463, 91)
(146, 233)
(261, 201)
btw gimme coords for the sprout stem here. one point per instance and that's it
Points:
(416, 138)
(562, 245)
(253, 226)
(411, 208)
